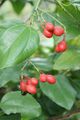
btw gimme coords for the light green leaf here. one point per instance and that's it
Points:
(68, 60)
(75, 43)
(9, 74)
(61, 93)
(17, 43)
(14, 102)
(69, 15)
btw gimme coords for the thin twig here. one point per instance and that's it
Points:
(24, 65)
(33, 12)
(34, 66)
(37, 4)
(67, 116)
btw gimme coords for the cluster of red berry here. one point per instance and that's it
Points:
(47, 78)
(29, 84)
(50, 30)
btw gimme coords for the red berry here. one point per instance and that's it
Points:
(61, 47)
(31, 89)
(43, 77)
(28, 82)
(47, 33)
(49, 27)
(58, 30)
(23, 86)
(34, 81)
(51, 79)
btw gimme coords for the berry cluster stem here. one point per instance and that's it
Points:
(52, 17)
(34, 66)
(24, 65)
(38, 2)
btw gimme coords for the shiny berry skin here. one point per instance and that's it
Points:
(34, 81)
(61, 47)
(43, 77)
(49, 26)
(31, 89)
(51, 79)
(47, 33)
(58, 31)
(28, 82)
(22, 86)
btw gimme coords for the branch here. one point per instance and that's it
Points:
(67, 116)
(38, 2)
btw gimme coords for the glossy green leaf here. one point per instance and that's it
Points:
(61, 93)
(68, 60)
(14, 102)
(17, 43)
(43, 64)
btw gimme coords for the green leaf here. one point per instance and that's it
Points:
(75, 43)
(24, 118)
(42, 64)
(50, 107)
(75, 81)
(10, 117)
(68, 60)
(18, 5)
(14, 102)
(69, 15)
(75, 117)
(17, 43)
(75, 2)
(9, 74)
(76, 84)
(61, 93)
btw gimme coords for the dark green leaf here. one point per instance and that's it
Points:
(18, 5)
(76, 85)
(42, 64)
(10, 117)
(49, 106)
(61, 93)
